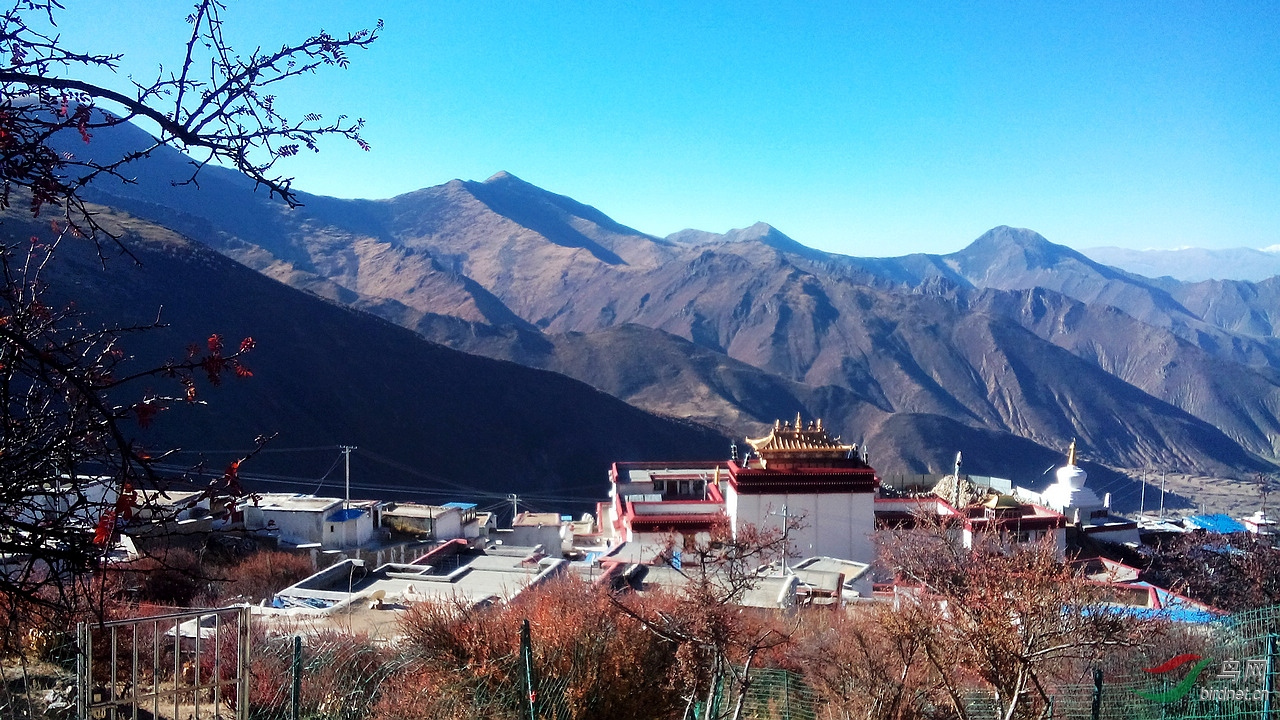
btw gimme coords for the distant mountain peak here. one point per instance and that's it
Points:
(1001, 245)
(503, 176)
(690, 236)
(760, 232)
(757, 230)
(1007, 235)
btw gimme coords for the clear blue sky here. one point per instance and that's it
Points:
(865, 128)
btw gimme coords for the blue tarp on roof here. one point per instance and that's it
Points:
(460, 505)
(1220, 524)
(1172, 614)
(345, 515)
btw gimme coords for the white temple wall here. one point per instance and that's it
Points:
(834, 525)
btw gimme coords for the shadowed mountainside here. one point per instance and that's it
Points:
(452, 425)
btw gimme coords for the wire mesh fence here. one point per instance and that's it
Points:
(325, 674)
(773, 695)
(39, 681)
(1234, 678)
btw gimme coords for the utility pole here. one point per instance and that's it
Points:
(957, 479)
(1142, 502)
(515, 507)
(526, 654)
(1162, 474)
(786, 546)
(346, 451)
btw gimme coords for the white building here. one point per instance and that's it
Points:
(796, 480)
(307, 520)
(531, 529)
(438, 522)
(652, 503)
(1260, 523)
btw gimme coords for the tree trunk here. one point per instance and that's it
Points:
(744, 686)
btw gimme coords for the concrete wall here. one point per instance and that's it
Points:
(349, 534)
(296, 528)
(548, 536)
(661, 539)
(448, 525)
(836, 525)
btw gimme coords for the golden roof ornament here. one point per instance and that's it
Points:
(799, 442)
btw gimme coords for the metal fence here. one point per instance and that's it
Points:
(178, 665)
(328, 675)
(773, 695)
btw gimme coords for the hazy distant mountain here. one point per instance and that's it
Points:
(1011, 337)
(1193, 264)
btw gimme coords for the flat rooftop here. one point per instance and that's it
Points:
(532, 519)
(470, 575)
(850, 569)
(296, 502)
(416, 510)
(174, 497)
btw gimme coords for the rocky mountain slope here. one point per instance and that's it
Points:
(1011, 337)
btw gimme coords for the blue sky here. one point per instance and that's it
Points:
(863, 128)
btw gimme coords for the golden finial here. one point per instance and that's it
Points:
(1071, 452)
(798, 425)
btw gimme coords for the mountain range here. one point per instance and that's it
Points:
(1193, 264)
(1007, 349)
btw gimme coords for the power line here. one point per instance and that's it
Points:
(325, 476)
(413, 471)
(294, 480)
(247, 452)
(458, 486)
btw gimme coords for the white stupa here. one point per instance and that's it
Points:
(1069, 494)
(1081, 506)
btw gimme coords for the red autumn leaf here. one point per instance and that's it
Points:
(106, 529)
(146, 412)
